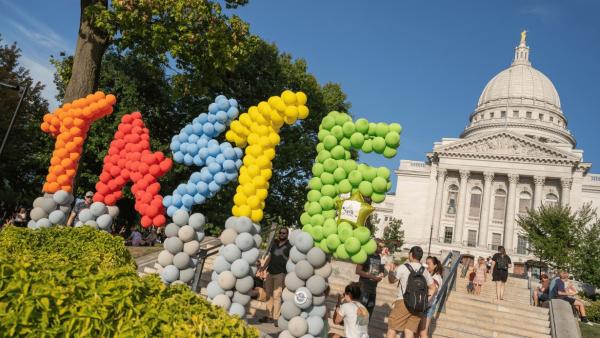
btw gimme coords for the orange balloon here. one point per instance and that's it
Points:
(62, 179)
(53, 187)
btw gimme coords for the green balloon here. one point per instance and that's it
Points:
(317, 233)
(377, 198)
(379, 144)
(362, 234)
(369, 173)
(344, 225)
(338, 152)
(342, 253)
(389, 185)
(317, 169)
(315, 183)
(373, 129)
(341, 163)
(370, 247)
(344, 234)
(322, 134)
(314, 208)
(379, 185)
(357, 140)
(327, 178)
(365, 188)
(367, 146)
(360, 257)
(350, 165)
(392, 139)
(329, 213)
(345, 142)
(352, 245)
(381, 129)
(317, 219)
(337, 132)
(329, 141)
(348, 128)
(396, 128)
(362, 126)
(355, 177)
(320, 147)
(307, 228)
(329, 190)
(327, 122)
(341, 119)
(345, 186)
(305, 218)
(323, 155)
(326, 203)
(329, 227)
(323, 246)
(339, 174)
(329, 165)
(313, 196)
(347, 155)
(389, 152)
(383, 172)
(333, 241)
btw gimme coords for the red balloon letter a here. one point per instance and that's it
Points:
(129, 158)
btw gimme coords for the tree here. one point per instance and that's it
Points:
(554, 233)
(586, 265)
(393, 235)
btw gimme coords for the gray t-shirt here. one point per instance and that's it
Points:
(402, 274)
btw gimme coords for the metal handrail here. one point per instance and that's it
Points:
(439, 303)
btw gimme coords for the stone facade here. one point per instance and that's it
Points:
(516, 153)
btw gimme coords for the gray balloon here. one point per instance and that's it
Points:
(91, 223)
(282, 323)
(181, 217)
(165, 258)
(173, 244)
(244, 241)
(324, 271)
(113, 211)
(317, 311)
(181, 260)
(304, 242)
(85, 215)
(257, 240)
(298, 326)
(57, 217)
(286, 334)
(244, 285)
(251, 256)
(170, 274)
(214, 276)
(177, 282)
(230, 222)
(316, 257)
(241, 298)
(303, 298)
(254, 269)
(221, 264)
(37, 203)
(237, 309)
(226, 280)
(228, 236)
(66, 209)
(304, 270)
(191, 248)
(289, 310)
(287, 295)
(186, 275)
(292, 282)
(222, 301)
(229, 293)
(319, 300)
(48, 205)
(243, 224)
(199, 236)
(186, 233)
(37, 213)
(290, 266)
(240, 268)
(315, 325)
(197, 221)
(304, 315)
(292, 236)
(231, 252)
(316, 284)
(171, 230)
(61, 197)
(31, 224)
(104, 221)
(213, 289)
(255, 228)
(296, 256)
(78, 224)
(98, 208)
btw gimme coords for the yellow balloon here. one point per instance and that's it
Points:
(259, 181)
(254, 150)
(288, 97)
(231, 136)
(274, 138)
(277, 103)
(289, 120)
(264, 108)
(301, 98)
(244, 210)
(245, 179)
(261, 194)
(235, 211)
(302, 112)
(245, 119)
(269, 153)
(263, 131)
(239, 199)
(256, 215)
(249, 160)
(253, 170)
(239, 189)
(266, 173)
(291, 112)
(262, 162)
(265, 142)
(253, 138)
(276, 117)
(253, 202)
(277, 124)
(240, 142)
(248, 189)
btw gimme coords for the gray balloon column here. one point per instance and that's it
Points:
(304, 296)
(178, 259)
(54, 209)
(235, 266)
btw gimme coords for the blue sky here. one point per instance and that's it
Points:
(422, 64)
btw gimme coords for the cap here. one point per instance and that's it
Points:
(89, 194)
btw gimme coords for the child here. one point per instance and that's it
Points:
(471, 286)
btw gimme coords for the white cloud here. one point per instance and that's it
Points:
(45, 74)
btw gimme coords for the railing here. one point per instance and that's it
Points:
(439, 304)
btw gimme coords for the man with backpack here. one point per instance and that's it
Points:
(415, 287)
(500, 264)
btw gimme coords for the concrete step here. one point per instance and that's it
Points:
(513, 300)
(536, 325)
(505, 303)
(445, 332)
(495, 310)
(506, 327)
(472, 328)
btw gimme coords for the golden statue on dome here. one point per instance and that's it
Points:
(523, 37)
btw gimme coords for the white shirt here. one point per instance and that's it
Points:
(438, 281)
(356, 320)
(402, 274)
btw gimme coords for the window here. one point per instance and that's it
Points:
(496, 240)
(448, 235)
(528, 114)
(551, 200)
(524, 202)
(551, 118)
(475, 205)
(387, 218)
(499, 204)
(515, 113)
(522, 245)
(472, 238)
(492, 115)
(541, 116)
(502, 114)
(452, 195)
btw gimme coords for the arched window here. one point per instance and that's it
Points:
(551, 200)
(499, 204)
(475, 205)
(452, 197)
(524, 202)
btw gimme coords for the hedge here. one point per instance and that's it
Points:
(81, 282)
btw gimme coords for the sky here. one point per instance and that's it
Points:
(422, 64)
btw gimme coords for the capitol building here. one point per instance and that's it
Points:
(515, 153)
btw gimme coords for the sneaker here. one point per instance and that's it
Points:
(266, 320)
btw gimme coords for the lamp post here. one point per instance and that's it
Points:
(22, 92)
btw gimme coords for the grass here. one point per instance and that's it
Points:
(588, 331)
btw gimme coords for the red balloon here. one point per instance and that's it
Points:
(166, 165)
(159, 220)
(104, 177)
(146, 221)
(110, 199)
(98, 197)
(154, 170)
(153, 188)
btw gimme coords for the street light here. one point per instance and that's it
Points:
(22, 92)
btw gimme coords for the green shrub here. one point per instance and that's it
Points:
(82, 282)
(593, 311)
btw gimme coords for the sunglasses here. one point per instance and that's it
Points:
(283, 233)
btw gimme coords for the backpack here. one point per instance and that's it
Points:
(502, 263)
(415, 295)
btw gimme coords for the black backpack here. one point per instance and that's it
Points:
(502, 263)
(415, 295)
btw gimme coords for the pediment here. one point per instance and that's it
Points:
(506, 145)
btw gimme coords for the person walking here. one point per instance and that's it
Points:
(274, 264)
(500, 265)
(370, 274)
(480, 275)
(435, 268)
(85, 204)
(350, 312)
(416, 287)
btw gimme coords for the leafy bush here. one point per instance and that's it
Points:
(82, 282)
(593, 311)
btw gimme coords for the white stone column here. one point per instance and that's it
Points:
(509, 220)
(565, 197)
(488, 177)
(431, 201)
(460, 213)
(537, 193)
(439, 194)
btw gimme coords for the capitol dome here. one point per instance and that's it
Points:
(522, 99)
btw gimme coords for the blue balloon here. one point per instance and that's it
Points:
(196, 120)
(187, 200)
(208, 129)
(181, 189)
(171, 210)
(220, 97)
(167, 201)
(221, 116)
(195, 178)
(229, 153)
(213, 150)
(188, 159)
(219, 127)
(183, 137)
(188, 129)
(233, 102)
(213, 187)
(220, 178)
(183, 147)
(220, 159)
(223, 103)
(199, 199)
(194, 138)
(175, 145)
(206, 175)
(232, 113)
(229, 165)
(231, 175)
(214, 168)
(238, 152)
(202, 143)
(190, 188)
(212, 119)
(239, 163)
(178, 157)
(203, 153)
(203, 118)
(197, 128)
(210, 159)
(192, 149)
(213, 108)
(177, 200)
(198, 161)
(202, 187)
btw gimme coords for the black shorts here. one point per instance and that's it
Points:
(543, 297)
(499, 275)
(571, 300)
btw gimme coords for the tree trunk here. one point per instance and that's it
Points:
(91, 45)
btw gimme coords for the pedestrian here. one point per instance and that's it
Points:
(85, 204)
(415, 289)
(274, 264)
(500, 265)
(488, 264)
(567, 294)
(350, 312)
(20, 219)
(542, 292)
(135, 237)
(435, 268)
(471, 286)
(480, 275)
(370, 273)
